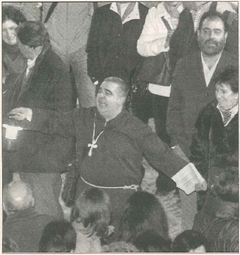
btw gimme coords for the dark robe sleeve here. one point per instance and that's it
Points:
(160, 155)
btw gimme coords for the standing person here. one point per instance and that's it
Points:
(68, 25)
(154, 40)
(112, 42)
(44, 85)
(110, 144)
(13, 62)
(193, 87)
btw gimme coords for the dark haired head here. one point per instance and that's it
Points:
(33, 34)
(228, 76)
(143, 212)
(11, 13)
(92, 209)
(211, 15)
(188, 240)
(119, 247)
(58, 236)
(123, 87)
(227, 188)
(149, 241)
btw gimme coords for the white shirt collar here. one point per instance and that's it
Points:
(133, 15)
(209, 73)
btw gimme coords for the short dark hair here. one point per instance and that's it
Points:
(33, 34)
(122, 84)
(58, 236)
(213, 15)
(92, 208)
(11, 13)
(150, 241)
(228, 76)
(188, 240)
(143, 212)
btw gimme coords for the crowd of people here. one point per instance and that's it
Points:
(81, 94)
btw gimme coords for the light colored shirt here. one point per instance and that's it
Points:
(153, 37)
(209, 73)
(30, 64)
(133, 15)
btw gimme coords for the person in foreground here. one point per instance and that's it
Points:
(23, 226)
(189, 241)
(110, 144)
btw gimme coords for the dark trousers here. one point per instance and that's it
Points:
(146, 105)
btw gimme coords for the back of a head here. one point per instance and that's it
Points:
(92, 209)
(227, 188)
(17, 196)
(143, 212)
(58, 236)
(187, 241)
(119, 247)
(33, 34)
(149, 241)
(11, 13)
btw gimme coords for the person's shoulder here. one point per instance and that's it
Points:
(103, 9)
(226, 56)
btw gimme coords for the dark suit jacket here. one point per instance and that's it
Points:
(112, 46)
(189, 95)
(47, 87)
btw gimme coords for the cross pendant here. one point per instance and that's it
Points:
(93, 145)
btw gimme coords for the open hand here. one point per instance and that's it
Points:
(20, 113)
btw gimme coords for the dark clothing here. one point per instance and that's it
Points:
(25, 228)
(13, 62)
(46, 87)
(39, 156)
(120, 149)
(184, 39)
(189, 94)
(112, 46)
(212, 142)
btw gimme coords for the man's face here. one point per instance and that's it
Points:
(9, 32)
(212, 37)
(109, 100)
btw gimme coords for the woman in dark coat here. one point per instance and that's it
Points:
(214, 149)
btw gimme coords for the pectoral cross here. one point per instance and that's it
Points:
(93, 145)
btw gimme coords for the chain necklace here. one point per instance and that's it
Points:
(94, 145)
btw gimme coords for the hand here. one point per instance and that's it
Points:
(21, 113)
(201, 186)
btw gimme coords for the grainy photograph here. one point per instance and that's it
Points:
(120, 127)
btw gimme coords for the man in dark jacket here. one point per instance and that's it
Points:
(112, 42)
(43, 85)
(193, 87)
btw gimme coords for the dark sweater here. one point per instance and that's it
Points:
(112, 46)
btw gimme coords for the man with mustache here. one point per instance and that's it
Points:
(110, 144)
(193, 84)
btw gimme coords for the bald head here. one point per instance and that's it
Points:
(17, 196)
